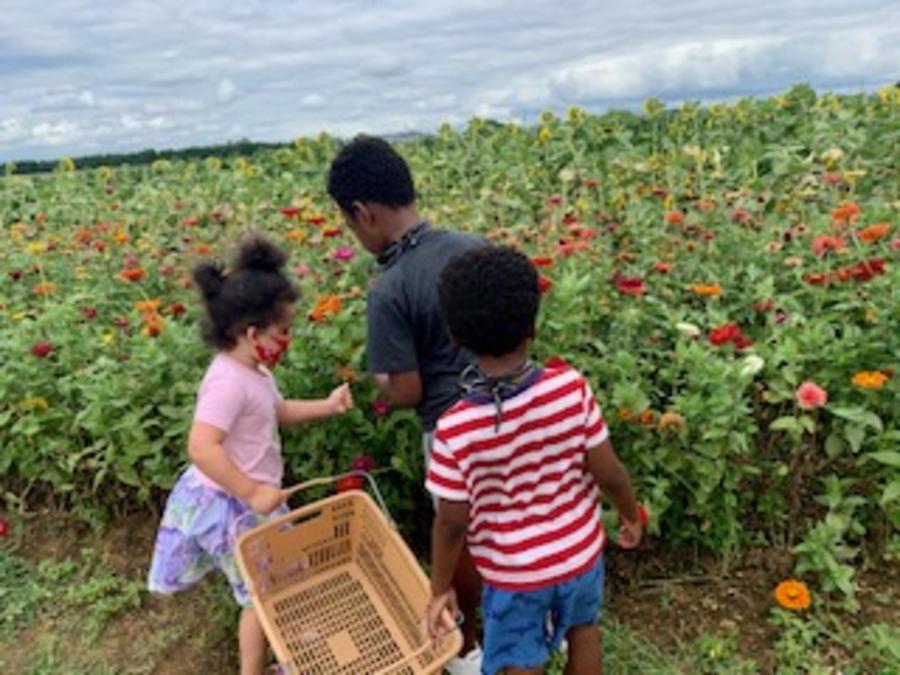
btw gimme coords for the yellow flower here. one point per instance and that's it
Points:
(870, 379)
(37, 248)
(18, 316)
(544, 135)
(672, 422)
(793, 594)
(296, 235)
(34, 403)
(108, 338)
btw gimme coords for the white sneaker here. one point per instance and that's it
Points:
(470, 664)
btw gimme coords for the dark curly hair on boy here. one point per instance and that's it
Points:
(254, 291)
(368, 169)
(490, 297)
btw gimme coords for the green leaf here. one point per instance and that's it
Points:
(859, 416)
(891, 492)
(834, 445)
(787, 423)
(889, 457)
(855, 437)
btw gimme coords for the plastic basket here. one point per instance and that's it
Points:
(338, 591)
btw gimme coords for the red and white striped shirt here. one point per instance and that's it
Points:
(534, 518)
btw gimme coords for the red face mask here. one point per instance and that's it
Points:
(270, 356)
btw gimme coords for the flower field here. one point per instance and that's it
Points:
(727, 276)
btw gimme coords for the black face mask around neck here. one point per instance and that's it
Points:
(474, 381)
(395, 249)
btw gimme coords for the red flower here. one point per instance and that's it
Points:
(659, 192)
(832, 178)
(591, 182)
(42, 349)
(816, 278)
(742, 342)
(555, 200)
(177, 309)
(544, 284)
(381, 407)
(675, 218)
(630, 286)
(89, 313)
(332, 232)
(190, 222)
(363, 463)
(724, 334)
(4, 527)
(15, 275)
(741, 216)
(662, 267)
(316, 219)
(290, 211)
(823, 244)
(764, 306)
(544, 261)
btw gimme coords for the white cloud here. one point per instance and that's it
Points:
(226, 91)
(143, 73)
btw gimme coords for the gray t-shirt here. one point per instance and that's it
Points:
(406, 330)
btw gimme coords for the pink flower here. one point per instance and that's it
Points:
(344, 253)
(810, 395)
(895, 244)
(302, 270)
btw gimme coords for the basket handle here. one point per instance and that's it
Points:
(328, 480)
(421, 650)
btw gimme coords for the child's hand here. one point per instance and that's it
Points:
(437, 625)
(341, 400)
(265, 498)
(629, 533)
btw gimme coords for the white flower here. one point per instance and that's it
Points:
(752, 365)
(688, 329)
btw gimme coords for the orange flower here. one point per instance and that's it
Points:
(83, 235)
(846, 213)
(792, 594)
(148, 306)
(675, 218)
(45, 288)
(325, 306)
(671, 422)
(711, 290)
(874, 232)
(295, 235)
(870, 379)
(153, 325)
(625, 414)
(202, 249)
(121, 237)
(648, 418)
(132, 274)
(347, 374)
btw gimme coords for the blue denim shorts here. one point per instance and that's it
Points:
(522, 628)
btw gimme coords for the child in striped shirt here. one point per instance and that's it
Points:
(516, 468)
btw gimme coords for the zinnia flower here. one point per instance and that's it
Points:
(810, 395)
(328, 305)
(290, 211)
(845, 213)
(821, 245)
(543, 261)
(671, 422)
(381, 407)
(132, 274)
(709, 290)
(42, 349)
(792, 594)
(45, 288)
(724, 334)
(544, 284)
(870, 379)
(875, 232)
(630, 286)
(675, 218)
(752, 365)
(344, 253)
(662, 267)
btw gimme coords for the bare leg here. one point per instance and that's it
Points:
(252, 643)
(523, 671)
(585, 653)
(467, 584)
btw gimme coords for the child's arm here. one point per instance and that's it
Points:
(296, 411)
(207, 453)
(613, 480)
(404, 389)
(448, 536)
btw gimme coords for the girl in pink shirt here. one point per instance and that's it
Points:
(236, 464)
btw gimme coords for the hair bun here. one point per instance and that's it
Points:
(210, 277)
(260, 254)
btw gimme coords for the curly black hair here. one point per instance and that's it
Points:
(490, 297)
(368, 169)
(253, 292)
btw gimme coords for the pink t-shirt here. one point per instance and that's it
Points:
(243, 402)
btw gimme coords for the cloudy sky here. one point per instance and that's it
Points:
(86, 76)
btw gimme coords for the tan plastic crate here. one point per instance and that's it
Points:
(339, 592)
